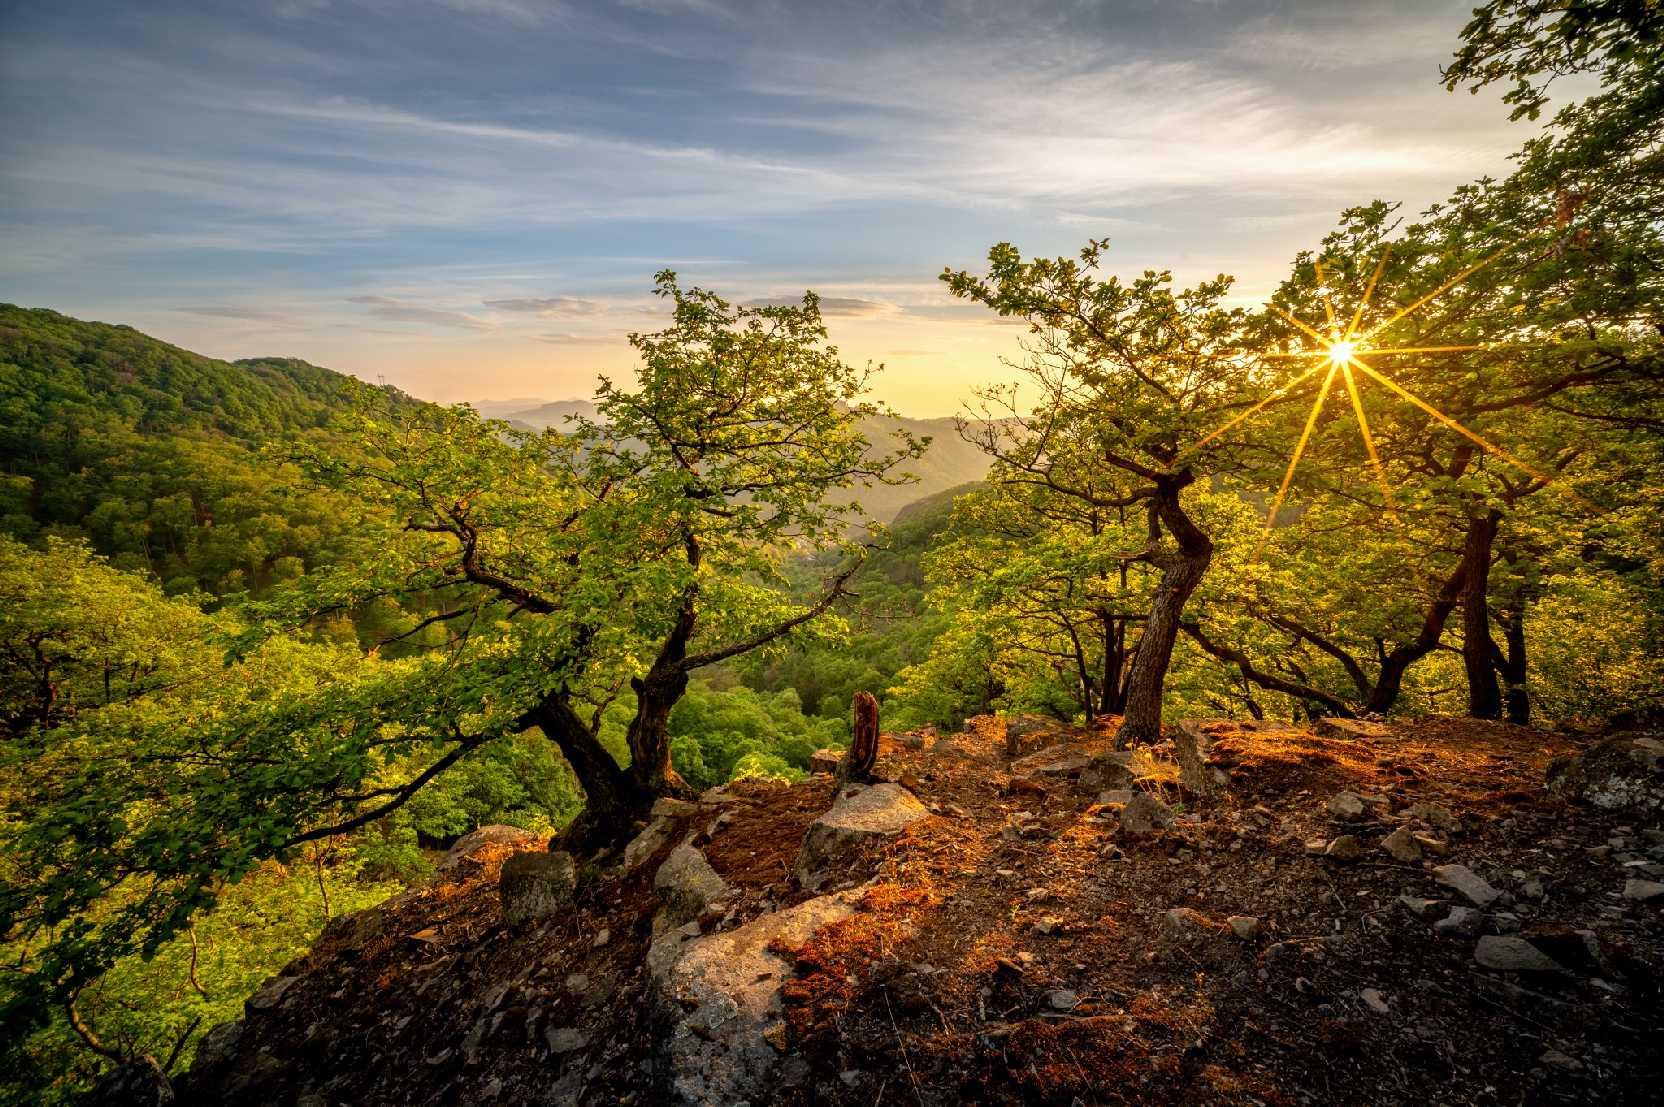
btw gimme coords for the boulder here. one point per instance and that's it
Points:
(686, 885)
(1643, 891)
(1108, 770)
(858, 815)
(1052, 761)
(1509, 954)
(271, 994)
(1623, 773)
(669, 807)
(1401, 845)
(1464, 880)
(1347, 805)
(720, 995)
(825, 761)
(1145, 814)
(459, 862)
(535, 885)
(645, 845)
(1346, 847)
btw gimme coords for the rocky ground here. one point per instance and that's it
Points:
(1362, 913)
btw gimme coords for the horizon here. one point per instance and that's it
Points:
(470, 202)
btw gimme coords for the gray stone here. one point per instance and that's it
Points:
(1462, 922)
(1347, 805)
(669, 807)
(218, 1046)
(565, 1039)
(721, 996)
(1423, 908)
(1246, 927)
(1401, 845)
(459, 862)
(271, 994)
(1108, 770)
(1373, 1000)
(1622, 773)
(825, 761)
(686, 885)
(1346, 847)
(1464, 880)
(1645, 891)
(1058, 760)
(1114, 796)
(1145, 815)
(1062, 1000)
(1435, 816)
(535, 885)
(602, 937)
(1509, 954)
(858, 815)
(645, 845)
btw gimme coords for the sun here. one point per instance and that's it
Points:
(1342, 352)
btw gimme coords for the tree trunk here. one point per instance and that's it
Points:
(1182, 571)
(1390, 682)
(612, 799)
(1511, 663)
(856, 764)
(1111, 696)
(1484, 696)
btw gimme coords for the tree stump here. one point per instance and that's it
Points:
(856, 766)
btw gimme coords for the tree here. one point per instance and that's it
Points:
(1129, 376)
(563, 568)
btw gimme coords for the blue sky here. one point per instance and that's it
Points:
(469, 197)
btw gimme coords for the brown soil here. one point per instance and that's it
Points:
(989, 965)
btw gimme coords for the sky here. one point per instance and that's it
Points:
(469, 198)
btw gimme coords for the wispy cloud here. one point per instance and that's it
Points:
(830, 305)
(383, 307)
(550, 306)
(233, 311)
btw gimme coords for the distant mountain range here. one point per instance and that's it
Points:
(948, 463)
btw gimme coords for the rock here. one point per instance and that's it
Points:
(1048, 926)
(1401, 845)
(1186, 920)
(1555, 1059)
(535, 885)
(1438, 847)
(1347, 847)
(1348, 806)
(686, 885)
(1348, 730)
(1643, 891)
(1023, 786)
(602, 937)
(1062, 1000)
(1463, 879)
(1509, 954)
(1108, 770)
(271, 994)
(1145, 814)
(720, 993)
(1622, 773)
(1435, 816)
(576, 982)
(218, 1046)
(645, 845)
(565, 1039)
(1114, 796)
(1316, 847)
(775, 1036)
(1462, 922)
(858, 815)
(1372, 999)
(1052, 761)
(1246, 927)
(459, 862)
(669, 807)
(825, 761)
(1423, 908)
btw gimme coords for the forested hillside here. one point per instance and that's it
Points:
(153, 454)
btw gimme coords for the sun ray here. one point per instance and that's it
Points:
(1299, 449)
(1447, 285)
(1483, 443)
(1369, 291)
(1424, 349)
(1369, 438)
(1318, 337)
(1250, 413)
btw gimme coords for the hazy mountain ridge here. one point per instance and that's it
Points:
(948, 463)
